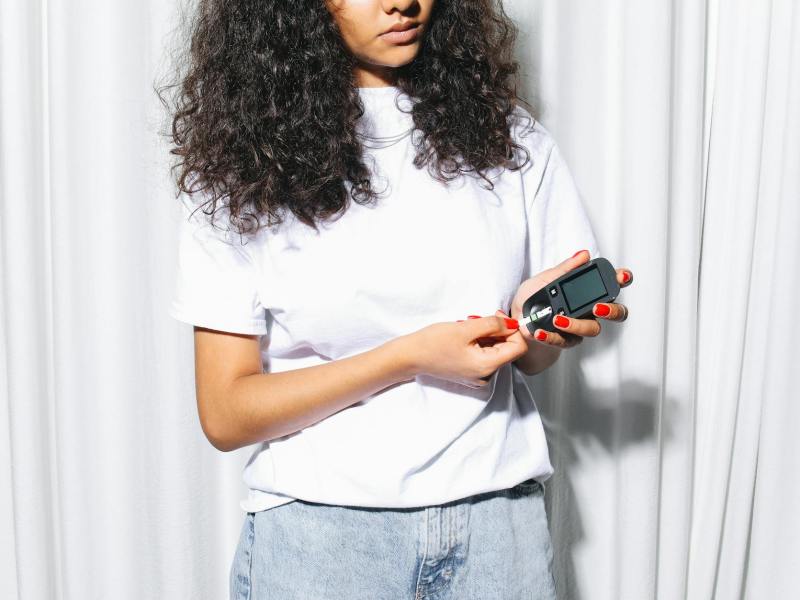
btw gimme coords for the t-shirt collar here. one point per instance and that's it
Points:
(382, 117)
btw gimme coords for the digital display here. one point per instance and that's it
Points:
(583, 289)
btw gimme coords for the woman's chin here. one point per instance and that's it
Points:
(398, 56)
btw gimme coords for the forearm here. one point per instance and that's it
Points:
(538, 358)
(265, 406)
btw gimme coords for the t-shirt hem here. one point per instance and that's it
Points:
(259, 500)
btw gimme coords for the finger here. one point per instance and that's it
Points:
(582, 327)
(624, 277)
(559, 339)
(611, 311)
(491, 326)
(573, 262)
(504, 350)
(523, 331)
(489, 341)
(468, 317)
(484, 341)
(511, 326)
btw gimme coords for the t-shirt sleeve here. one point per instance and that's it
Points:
(216, 281)
(558, 225)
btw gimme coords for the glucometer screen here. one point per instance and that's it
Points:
(583, 289)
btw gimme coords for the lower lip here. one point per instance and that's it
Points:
(401, 37)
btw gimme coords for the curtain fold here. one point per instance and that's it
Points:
(672, 435)
(677, 119)
(751, 179)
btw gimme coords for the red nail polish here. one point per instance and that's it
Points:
(561, 321)
(512, 323)
(601, 310)
(576, 254)
(541, 336)
(473, 316)
(626, 277)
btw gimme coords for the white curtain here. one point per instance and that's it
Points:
(671, 434)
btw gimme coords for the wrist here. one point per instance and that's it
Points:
(401, 358)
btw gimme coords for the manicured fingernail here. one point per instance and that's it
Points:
(626, 277)
(512, 323)
(601, 310)
(541, 335)
(578, 252)
(561, 321)
(473, 316)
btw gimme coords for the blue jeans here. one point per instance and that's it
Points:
(494, 545)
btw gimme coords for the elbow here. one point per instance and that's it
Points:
(222, 445)
(226, 439)
(218, 438)
(218, 427)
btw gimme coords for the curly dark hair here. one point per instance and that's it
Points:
(265, 113)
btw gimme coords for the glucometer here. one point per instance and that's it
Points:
(574, 294)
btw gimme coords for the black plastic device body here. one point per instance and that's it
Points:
(574, 294)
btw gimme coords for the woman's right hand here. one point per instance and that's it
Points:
(454, 351)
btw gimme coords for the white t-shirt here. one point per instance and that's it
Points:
(424, 253)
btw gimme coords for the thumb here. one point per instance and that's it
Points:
(573, 262)
(495, 325)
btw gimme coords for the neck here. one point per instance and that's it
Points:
(369, 75)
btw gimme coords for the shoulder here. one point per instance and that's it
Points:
(529, 132)
(542, 149)
(210, 233)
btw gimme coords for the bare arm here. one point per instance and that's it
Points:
(240, 405)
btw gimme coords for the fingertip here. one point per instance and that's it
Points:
(541, 335)
(601, 310)
(561, 321)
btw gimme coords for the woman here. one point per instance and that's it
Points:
(380, 182)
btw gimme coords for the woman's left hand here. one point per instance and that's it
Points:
(570, 331)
